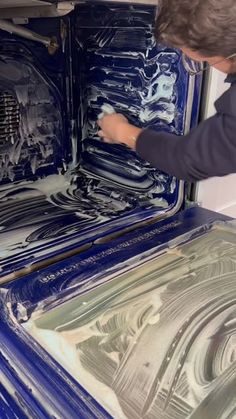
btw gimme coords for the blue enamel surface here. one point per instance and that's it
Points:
(107, 55)
(123, 66)
(8, 407)
(40, 384)
(127, 74)
(37, 81)
(52, 280)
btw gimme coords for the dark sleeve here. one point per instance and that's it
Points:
(208, 150)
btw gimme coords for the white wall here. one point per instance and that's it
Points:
(217, 194)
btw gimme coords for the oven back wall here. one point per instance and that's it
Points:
(119, 64)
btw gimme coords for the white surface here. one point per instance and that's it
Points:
(217, 194)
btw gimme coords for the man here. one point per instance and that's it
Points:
(205, 31)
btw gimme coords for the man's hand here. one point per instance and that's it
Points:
(112, 127)
(116, 129)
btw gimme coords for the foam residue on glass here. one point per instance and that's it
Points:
(118, 64)
(157, 341)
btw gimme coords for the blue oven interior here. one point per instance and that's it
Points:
(101, 314)
(61, 187)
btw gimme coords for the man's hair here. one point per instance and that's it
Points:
(205, 26)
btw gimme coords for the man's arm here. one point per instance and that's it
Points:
(208, 150)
